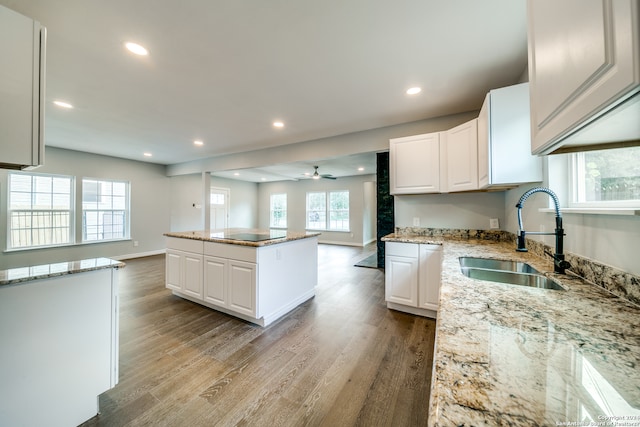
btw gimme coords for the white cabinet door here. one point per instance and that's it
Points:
(460, 149)
(193, 275)
(215, 280)
(579, 67)
(414, 164)
(401, 280)
(504, 139)
(183, 272)
(429, 272)
(22, 49)
(242, 287)
(174, 269)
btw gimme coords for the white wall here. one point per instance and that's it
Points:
(296, 205)
(186, 191)
(243, 211)
(453, 210)
(609, 239)
(149, 207)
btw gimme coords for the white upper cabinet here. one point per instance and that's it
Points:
(584, 70)
(414, 164)
(22, 49)
(459, 150)
(504, 140)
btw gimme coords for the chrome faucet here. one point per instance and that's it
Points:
(559, 264)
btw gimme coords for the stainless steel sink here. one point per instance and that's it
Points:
(510, 272)
(497, 264)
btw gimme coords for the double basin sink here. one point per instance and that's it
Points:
(502, 271)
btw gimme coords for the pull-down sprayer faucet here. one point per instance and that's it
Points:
(559, 264)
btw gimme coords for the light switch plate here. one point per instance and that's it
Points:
(416, 221)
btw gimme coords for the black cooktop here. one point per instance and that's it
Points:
(254, 237)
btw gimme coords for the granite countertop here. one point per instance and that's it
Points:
(19, 275)
(239, 236)
(519, 356)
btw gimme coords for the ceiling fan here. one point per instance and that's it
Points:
(316, 175)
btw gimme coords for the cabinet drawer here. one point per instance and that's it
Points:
(186, 245)
(402, 249)
(223, 250)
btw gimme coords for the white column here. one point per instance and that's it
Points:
(206, 200)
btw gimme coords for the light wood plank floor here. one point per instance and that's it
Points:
(340, 359)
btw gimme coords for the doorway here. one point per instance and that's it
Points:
(219, 200)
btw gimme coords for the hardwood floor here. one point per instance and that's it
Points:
(340, 359)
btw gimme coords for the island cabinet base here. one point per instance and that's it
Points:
(59, 348)
(259, 284)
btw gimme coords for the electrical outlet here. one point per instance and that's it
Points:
(494, 223)
(135, 243)
(416, 221)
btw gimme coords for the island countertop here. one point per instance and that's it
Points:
(519, 356)
(13, 276)
(243, 236)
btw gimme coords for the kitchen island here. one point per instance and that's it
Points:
(256, 275)
(59, 333)
(520, 356)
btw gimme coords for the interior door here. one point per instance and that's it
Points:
(219, 208)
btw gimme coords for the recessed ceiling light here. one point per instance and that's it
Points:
(413, 90)
(263, 179)
(236, 173)
(198, 142)
(136, 48)
(63, 104)
(360, 169)
(148, 154)
(278, 124)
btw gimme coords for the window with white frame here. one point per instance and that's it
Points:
(605, 178)
(278, 211)
(328, 210)
(105, 210)
(40, 210)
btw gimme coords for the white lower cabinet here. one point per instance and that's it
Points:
(412, 277)
(231, 284)
(257, 284)
(184, 272)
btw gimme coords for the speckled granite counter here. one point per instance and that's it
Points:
(239, 236)
(18, 275)
(519, 356)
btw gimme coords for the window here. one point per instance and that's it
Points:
(105, 210)
(606, 178)
(333, 216)
(278, 211)
(40, 210)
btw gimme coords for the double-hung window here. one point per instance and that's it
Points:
(105, 210)
(328, 210)
(278, 211)
(40, 210)
(605, 178)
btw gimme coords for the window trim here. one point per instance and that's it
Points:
(327, 211)
(71, 211)
(271, 211)
(575, 168)
(127, 210)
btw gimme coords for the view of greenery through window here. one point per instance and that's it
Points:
(278, 210)
(608, 175)
(337, 211)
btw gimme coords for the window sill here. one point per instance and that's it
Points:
(65, 245)
(596, 211)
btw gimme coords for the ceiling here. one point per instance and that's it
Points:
(222, 71)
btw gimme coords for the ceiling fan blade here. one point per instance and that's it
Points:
(328, 176)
